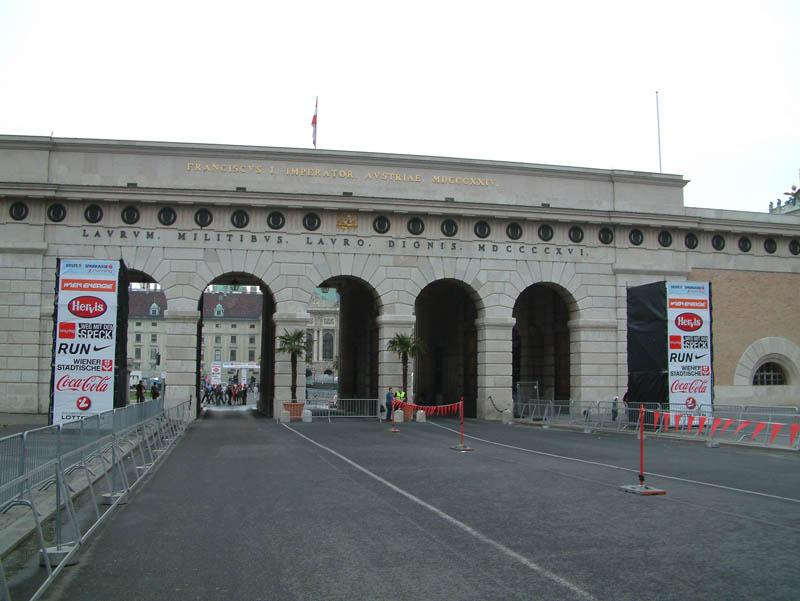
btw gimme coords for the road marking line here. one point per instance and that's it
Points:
(461, 525)
(624, 469)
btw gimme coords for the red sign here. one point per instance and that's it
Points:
(675, 342)
(66, 329)
(107, 365)
(83, 403)
(688, 303)
(688, 322)
(87, 306)
(89, 285)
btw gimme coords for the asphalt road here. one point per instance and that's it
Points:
(247, 509)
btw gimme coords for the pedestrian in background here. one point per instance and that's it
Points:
(389, 399)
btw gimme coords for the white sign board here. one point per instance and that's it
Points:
(85, 338)
(689, 347)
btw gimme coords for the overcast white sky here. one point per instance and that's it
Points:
(555, 82)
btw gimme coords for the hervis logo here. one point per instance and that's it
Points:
(87, 306)
(688, 322)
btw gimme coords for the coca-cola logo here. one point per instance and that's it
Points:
(83, 403)
(696, 386)
(88, 384)
(87, 306)
(688, 322)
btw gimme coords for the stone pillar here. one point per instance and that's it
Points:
(494, 365)
(593, 359)
(390, 367)
(180, 363)
(288, 322)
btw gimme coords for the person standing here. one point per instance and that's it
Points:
(389, 399)
(154, 391)
(140, 392)
(614, 408)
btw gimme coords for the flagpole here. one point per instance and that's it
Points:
(658, 125)
(314, 122)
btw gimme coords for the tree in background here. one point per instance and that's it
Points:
(406, 346)
(293, 344)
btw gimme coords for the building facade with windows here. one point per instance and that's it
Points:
(508, 272)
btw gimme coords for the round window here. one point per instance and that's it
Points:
(691, 241)
(130, 215)
(636, 237)
(545, 232)
(381, 224)
(794, 247)
(744, 244)
(514, 231)
(575, 234)
(770, 246)
(18, 211)
(276, 220)
(56, 212)
(606, 235)
(665, 238)
(482, 229)
(415, 226)
(93, 214)
(311, 222)
(203, 217)
(167, 216)
(718, 242)
(449, 228)
(240, 218)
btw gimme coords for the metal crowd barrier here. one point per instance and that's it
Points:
(342, 408)
(52, 478)
(752, 425)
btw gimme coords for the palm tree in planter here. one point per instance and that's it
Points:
(293, 344)
(406, 346)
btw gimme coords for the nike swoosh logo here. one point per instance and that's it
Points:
(700, 356)
(100, 348)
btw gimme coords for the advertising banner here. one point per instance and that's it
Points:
(689, 347)
(84, 338)
(216, 373)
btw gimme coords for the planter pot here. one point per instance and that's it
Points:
(295, 410)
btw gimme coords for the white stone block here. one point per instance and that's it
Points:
(398, 416)
(421, 416)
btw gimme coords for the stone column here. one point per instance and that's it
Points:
(288, 322)
(390, 367)
(494, 365)
(180, 363)
(593, 359)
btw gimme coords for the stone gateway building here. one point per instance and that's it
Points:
(508, 272)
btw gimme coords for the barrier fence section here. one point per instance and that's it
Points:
(753, 425)
(335, 407)
(65, 479)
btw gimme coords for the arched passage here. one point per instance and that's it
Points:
(144, 329)
(448, 371)
(357, 345)
(236, 336)
(541, 342)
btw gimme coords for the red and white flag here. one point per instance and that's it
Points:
(314, 122)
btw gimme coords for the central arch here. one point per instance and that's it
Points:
(357, 349)
(541, 342)
(447, 372)
(238, 298)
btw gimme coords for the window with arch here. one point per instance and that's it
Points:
(769, 374)
(154, 310)
(219, 311)
(327, 346)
